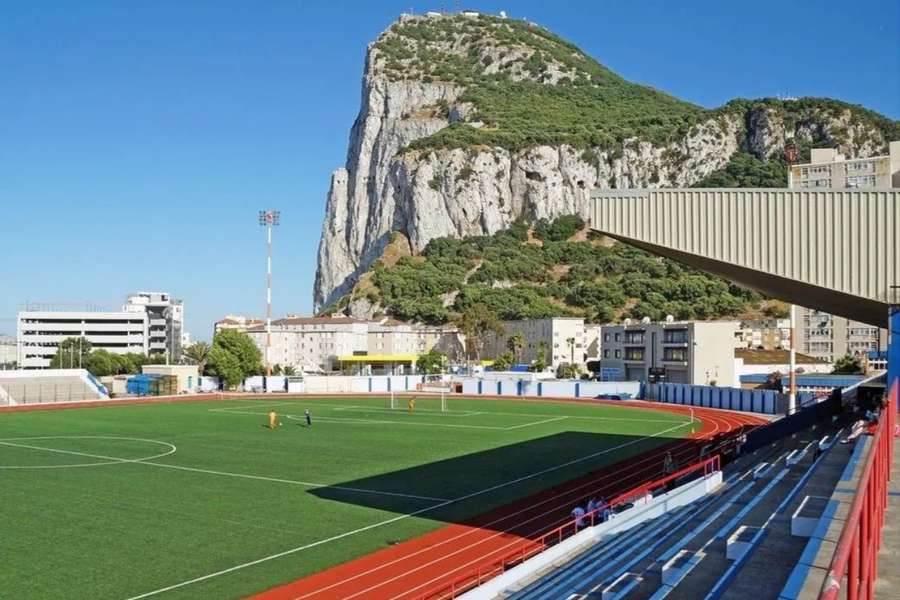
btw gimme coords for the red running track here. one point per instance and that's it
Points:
(427, 563)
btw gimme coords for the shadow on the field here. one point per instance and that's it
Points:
(459, 488)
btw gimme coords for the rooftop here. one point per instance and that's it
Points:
(773, 357)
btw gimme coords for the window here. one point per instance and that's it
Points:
(675, 354)
(618, 354)
(634, 337)
(618, 337)
(606, 353)
(675, 336)
(605, 337)
(634, 354)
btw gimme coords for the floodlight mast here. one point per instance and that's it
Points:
(269, 219)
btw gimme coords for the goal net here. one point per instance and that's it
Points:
(419, 401)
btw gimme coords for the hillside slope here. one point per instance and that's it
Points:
(468, 124)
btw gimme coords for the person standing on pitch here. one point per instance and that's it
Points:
(273, 419)
(411, 405)
(308, 418)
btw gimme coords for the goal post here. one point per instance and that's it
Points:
(423, 401)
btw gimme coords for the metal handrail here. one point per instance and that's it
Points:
(529, 548)
(856, 555)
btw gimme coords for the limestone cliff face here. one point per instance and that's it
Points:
(480, 189)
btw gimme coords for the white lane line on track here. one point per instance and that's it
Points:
(400, 517)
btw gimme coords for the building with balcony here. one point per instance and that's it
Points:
(322, 344)
(820, 334)
(694, 352)
(829, 169)
(561, 339)
(764, 334)
(39, 332)
(8, 352)
(165, 321)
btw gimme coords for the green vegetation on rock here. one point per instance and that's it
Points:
(516, 276)
(529, 87)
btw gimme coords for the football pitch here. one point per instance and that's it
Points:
(202, 500)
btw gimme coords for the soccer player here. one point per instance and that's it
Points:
(411, 405)
(308, 418)
(273, 419)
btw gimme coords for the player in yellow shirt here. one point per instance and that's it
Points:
(411, 405)
(273, 420)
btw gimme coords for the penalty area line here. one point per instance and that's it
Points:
(400, 517)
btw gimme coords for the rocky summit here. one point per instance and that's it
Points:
(469, 122)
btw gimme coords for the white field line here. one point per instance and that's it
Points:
(449, 413)
(401, 517)
(293, 482)
(551, 420)
(113, 460)
(353, 421)
(146, 461)
(344, 407)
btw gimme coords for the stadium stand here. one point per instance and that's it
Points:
(47, 386)
(728, 544)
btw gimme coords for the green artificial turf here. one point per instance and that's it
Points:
(129, 526)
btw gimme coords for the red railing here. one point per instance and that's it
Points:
(855, 561)
(493, 567)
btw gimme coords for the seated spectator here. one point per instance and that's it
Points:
(578, 515)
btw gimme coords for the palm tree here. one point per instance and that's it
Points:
(571, 342)
(289, 370)
(198, 354)
(515, 343)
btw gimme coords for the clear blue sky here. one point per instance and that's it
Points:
(139, 139)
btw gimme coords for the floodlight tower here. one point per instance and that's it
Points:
(269, 219)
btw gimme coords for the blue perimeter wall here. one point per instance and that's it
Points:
(893, 378)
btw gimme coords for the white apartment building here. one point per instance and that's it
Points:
(38, 333)
(695, 352)
(562, 339)
(392, 337)
(165, 321)
(830, 337)
(820, 334)
(829, 169)
(312, 344)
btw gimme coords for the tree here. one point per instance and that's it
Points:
(157, 358)
(568, 371)
(198, 354)
(515, 343)
(503, 362)
(476, 323)
(234, 357)
(101, 363)
(571, 343)
(71, 353)
(541, 362)
(432, 362)
(289, 370)
(241, 346)
(226, 366)
(773, 382)
(277, 370)
(847, 365)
